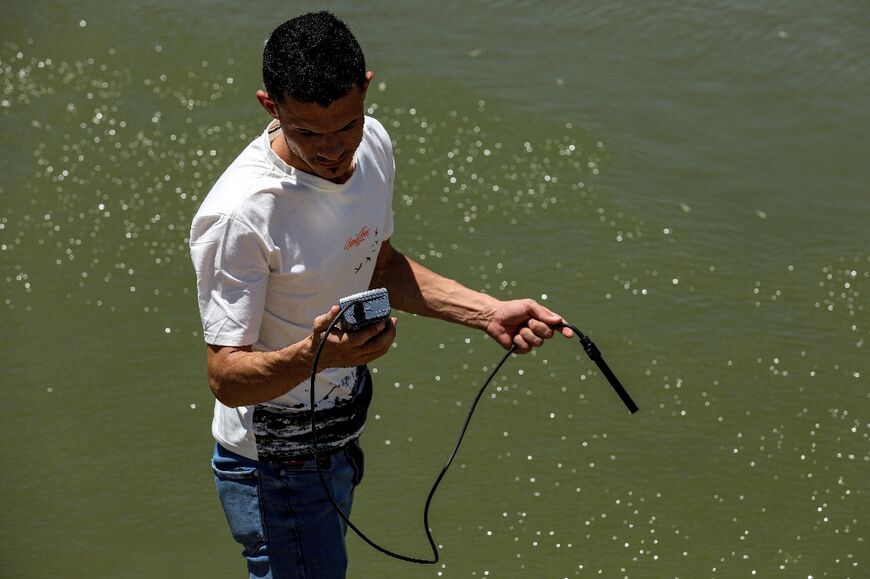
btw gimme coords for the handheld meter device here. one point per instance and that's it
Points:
(364, 309)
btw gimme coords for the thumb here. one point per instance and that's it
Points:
(545, 315)
(321, 322)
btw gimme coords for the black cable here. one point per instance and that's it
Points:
(595, 355)
(590, 349)
(344, 517)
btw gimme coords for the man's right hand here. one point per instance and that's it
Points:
(239, 376)
(349, 349)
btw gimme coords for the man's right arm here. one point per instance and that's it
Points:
(240, 376)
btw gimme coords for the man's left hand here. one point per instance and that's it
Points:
(524, 324)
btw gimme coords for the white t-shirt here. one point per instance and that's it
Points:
(274, 247)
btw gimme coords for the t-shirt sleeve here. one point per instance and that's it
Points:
(386, 146)
(389, 225)
(232, 272)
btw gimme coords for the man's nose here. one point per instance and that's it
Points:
(330, 147)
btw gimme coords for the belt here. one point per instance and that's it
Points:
(324, 461)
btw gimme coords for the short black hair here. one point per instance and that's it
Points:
(313, 58)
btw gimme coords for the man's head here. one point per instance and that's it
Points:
(316, 81)
(313, 58)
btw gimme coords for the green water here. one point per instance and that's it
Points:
(687, 182)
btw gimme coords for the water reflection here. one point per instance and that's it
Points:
(750, 454)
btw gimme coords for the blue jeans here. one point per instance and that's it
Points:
(281, 516)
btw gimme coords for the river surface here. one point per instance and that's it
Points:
(688, 182)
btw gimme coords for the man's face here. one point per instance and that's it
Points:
(320, 140)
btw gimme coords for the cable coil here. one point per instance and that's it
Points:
(588, 346)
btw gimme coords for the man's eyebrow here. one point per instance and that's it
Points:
(313, 132)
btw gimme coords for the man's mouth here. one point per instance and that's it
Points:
(332, 164)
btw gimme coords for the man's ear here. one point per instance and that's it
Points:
(369, 76)
(267, 103)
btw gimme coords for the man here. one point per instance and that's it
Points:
(300, 219)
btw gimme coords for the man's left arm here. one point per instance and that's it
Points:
(416, 289)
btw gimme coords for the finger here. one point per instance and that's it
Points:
(541, 329)
(368, 333)
(386, 338)
(322, 321)
(525, 340)
(380, 343)
(532, 339)
(563, 328)
(522, 347)
(543, 314)
(503, 338)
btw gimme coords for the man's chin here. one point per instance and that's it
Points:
(338, 173)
